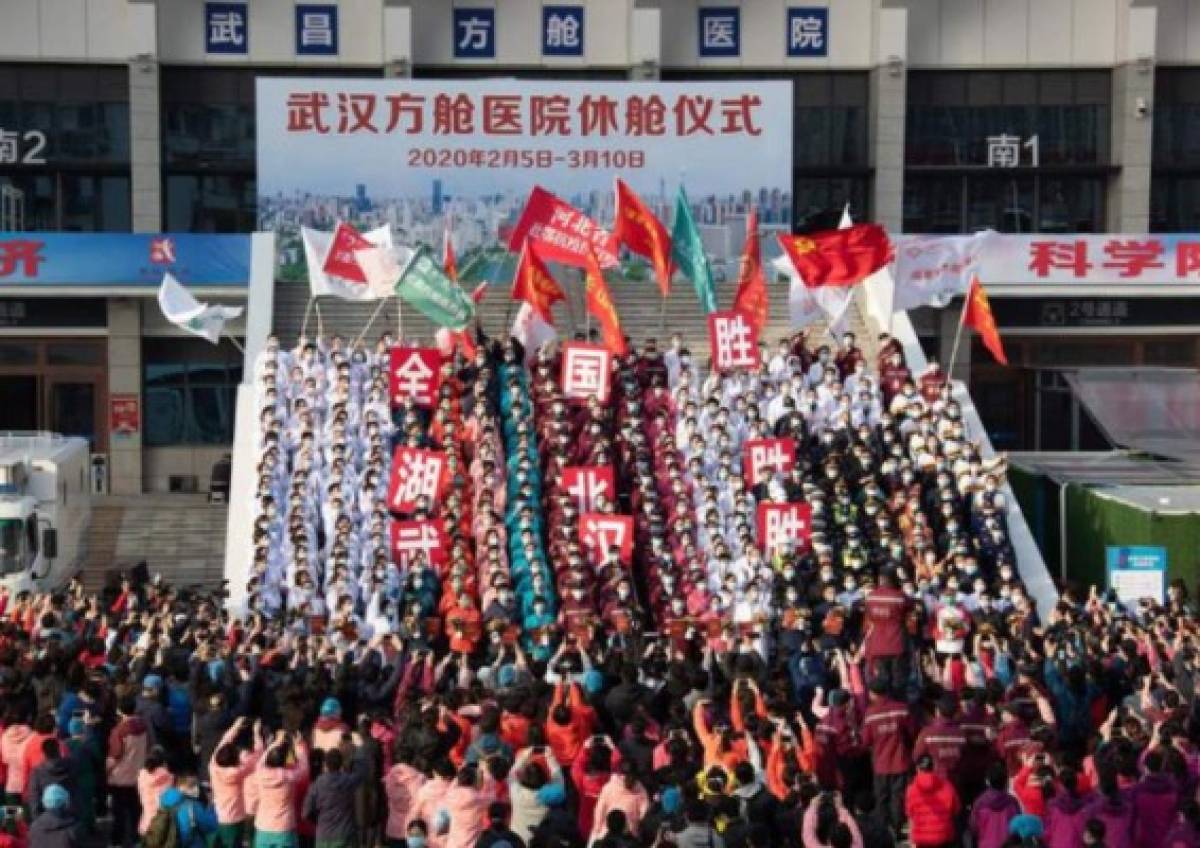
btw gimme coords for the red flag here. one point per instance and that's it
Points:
(340, 261)
(534, 285)
(751, 298)
(638, 229)
(562, 233)
(977, 314)
(449, 263)
(599, 303)
(840, 257)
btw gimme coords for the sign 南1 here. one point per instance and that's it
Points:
(1006, 151)
(22, 148)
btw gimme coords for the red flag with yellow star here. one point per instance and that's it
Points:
(838, 257)
(638, 229)
(599, 303)
(977, 314)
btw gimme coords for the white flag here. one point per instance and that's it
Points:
(187, 313)
(383, 267)
(931, 270)
(808, 305)
(316, 249)
(531, 331)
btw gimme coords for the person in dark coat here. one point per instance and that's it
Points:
(560, 827)
(330, 799)
(54, 828)
(498, 832)
(54, 769)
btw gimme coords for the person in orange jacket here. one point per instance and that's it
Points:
(931, 805)
(570, 722)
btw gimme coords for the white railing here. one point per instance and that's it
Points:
(1030, 564)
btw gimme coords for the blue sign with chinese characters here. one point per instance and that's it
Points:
(562, 30)
(1136, 572)
(226, 29)
(316, 30)
(807, 31)
(474, 33)
(720, 31)
(122, 259)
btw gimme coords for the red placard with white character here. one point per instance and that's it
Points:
(410, 538)
(586, 371)
(786, 526)
(416, 473)
(414, 372)
(599, 531)
(761, 458)
(733, 341)
(587, 484)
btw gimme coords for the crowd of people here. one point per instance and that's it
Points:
(884, 678)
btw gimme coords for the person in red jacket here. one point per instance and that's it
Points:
(884, 641)
(931, 804)
(888, 733)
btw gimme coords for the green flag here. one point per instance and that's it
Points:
(687, 251)
(425, 285)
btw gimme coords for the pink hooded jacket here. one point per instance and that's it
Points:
(427, 802)
(616, 796)
(276, 806)
(467, 806)
(228, 782)
(12, 750)
(150, 785)
(402, 783)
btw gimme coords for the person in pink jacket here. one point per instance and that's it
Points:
(152, 781)
(621, 792)
(128, 746)
(429, 800)
(402, 784)
(276, 776)
(466, 802)
(227, 773)
(12, 748)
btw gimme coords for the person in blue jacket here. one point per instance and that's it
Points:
(195, 821)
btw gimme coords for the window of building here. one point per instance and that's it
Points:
(1175, 162)
(70, 125)
(830, 144)
(208, 145)
(191, 392)
(1014, 151)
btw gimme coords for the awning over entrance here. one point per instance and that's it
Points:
(1152, 410)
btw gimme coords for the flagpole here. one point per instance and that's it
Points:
(662, 315)
(307, 310)
(320, 321)
(236, 344)
(399, 320)
(957, 338)
(370, 321)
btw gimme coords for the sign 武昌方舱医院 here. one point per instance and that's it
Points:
(122, 259)
(1136, 572)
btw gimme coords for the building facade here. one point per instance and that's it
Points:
(1055, 117)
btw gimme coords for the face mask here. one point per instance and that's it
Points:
(415, 842)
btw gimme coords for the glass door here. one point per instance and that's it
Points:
(71, 408)
(18, 402)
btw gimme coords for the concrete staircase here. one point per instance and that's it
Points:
(638, 303)
(181, 537)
